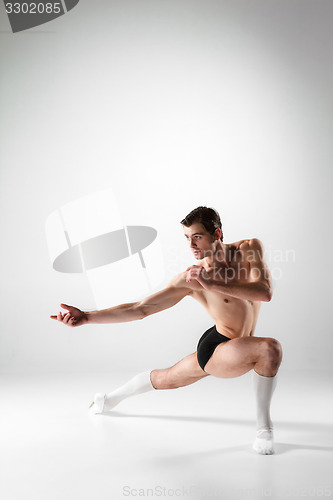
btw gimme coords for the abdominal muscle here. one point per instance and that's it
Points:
(233, 317)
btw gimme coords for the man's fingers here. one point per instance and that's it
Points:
(65, 306)
(66, 318)
(193, 273)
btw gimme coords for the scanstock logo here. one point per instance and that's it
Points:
(24, 15)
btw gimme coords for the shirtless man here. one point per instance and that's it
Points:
(230, 280)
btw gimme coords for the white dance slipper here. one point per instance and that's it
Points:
(97, 405)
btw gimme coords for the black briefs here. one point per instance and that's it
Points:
(207, 345)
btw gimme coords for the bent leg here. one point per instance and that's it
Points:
(263, 389)
(264, 356)
(185, 372)
(240, 355)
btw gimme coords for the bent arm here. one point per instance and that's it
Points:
(258, 286)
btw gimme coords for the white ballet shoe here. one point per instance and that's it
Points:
(97, 405)
(263, 444)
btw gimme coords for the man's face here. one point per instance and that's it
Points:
(201, 242)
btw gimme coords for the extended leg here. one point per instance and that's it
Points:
(185, 372)
(137, 385)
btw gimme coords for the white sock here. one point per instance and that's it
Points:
(264, 388)
(137, 385)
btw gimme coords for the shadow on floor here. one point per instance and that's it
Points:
(281, 448)
(180, 418)
(312, 428)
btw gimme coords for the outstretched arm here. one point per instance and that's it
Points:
(176, 290)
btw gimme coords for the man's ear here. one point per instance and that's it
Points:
(217, 233)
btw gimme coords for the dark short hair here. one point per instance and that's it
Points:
(208, 217)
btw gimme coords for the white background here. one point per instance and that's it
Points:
(172, 104)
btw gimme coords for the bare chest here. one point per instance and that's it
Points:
(237, 271)
(236, 317)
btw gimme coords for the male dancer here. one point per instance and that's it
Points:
(230, 281)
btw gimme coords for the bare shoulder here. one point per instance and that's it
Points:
(179, 281)
(248, 244)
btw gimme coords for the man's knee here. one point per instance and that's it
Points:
(272, 353)
(164, 379)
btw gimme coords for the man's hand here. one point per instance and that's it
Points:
(199, 274)
(74, 317)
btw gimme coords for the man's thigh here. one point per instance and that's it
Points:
(235, 357)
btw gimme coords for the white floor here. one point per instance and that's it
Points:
(193, 442)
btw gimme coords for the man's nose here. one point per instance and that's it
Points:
(192, 244)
